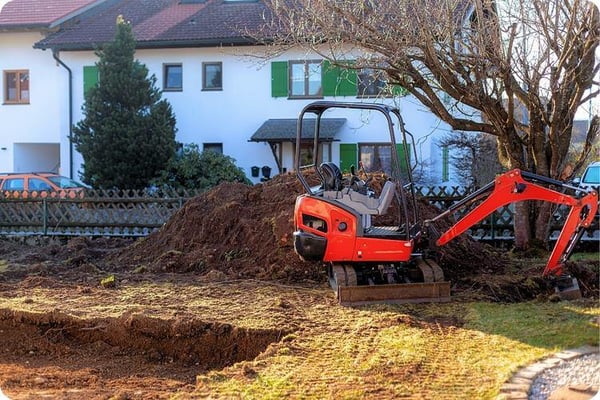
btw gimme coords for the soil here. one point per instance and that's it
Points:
(103, 318)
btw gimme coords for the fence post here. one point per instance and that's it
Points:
(45, 216)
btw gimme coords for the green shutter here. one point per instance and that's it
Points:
(348, 156)
(279, 79)
(402, 149)
(90, 77)
(338, 81)
(399, 91)
(445, 163)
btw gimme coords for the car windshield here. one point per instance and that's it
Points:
(592, 175)
(64, 182)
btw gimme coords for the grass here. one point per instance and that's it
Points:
(585, 256)
(457, 350)
(410, 352)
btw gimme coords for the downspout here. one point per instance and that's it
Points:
(58, 60)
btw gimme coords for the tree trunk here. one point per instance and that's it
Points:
(542, 222)
(522, 225)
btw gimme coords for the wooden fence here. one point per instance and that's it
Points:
(138, 213)
(91, 213)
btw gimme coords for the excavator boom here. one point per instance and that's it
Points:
(516, 185)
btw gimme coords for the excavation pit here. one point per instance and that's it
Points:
(51, 352)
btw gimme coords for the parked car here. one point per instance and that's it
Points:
(39, 184)
(590, 177)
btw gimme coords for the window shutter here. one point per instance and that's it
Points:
(348, 156)
(279, 79)
(399, 91)
(90, 77)
(338, 81)
(445, 163)
(403, 149)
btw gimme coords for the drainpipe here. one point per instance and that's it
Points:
(58, 60)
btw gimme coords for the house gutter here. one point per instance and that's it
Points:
(154, 44)
(58, 60)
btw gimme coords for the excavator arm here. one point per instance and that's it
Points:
(516, 185)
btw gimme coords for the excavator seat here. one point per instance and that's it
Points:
(364, 204)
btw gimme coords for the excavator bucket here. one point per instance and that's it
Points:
(433, 290)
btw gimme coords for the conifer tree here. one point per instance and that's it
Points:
(127, 135)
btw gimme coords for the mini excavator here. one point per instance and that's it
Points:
(396, 263)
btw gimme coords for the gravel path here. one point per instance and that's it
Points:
(580, 370)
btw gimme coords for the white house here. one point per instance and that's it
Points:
(225, 98)
(34, 107)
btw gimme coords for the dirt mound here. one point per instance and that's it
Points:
(232, 231)
(238, 231)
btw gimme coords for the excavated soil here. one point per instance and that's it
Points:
(126, 319)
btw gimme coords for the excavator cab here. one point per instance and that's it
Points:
(333, 220)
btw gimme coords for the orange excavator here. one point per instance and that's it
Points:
(396, 263)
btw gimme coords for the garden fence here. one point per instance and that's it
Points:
(130, 213)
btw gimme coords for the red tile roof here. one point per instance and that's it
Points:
(164, 23)
(40, 13)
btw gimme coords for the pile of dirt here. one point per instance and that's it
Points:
(230, 232)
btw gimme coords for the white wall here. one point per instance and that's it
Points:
(43, 120)
(232, 115)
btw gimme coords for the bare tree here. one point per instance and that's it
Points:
(524, 66)
(476, 161)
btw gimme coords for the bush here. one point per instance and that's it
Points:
(195, 169)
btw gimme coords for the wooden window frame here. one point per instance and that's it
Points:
(374, 81)
(205, 87)
(19, 99)
(213, 146)
(306, 64)
(166, 76)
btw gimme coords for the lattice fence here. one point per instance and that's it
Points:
(138, 213)
(499, 225)
(93, 213)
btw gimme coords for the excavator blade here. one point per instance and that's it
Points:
(433, 290)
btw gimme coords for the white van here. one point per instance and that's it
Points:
(590, 177)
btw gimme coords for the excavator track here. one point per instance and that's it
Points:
(434, 289)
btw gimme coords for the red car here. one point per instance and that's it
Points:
(39, 184)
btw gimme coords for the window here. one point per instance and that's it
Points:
(216, 147)
(370, 83)
(212, 76)
(38, 184)
(173, 77)
(307, 153)
(16, 87)
(375, 157)
(14, 184)
(592, 175)
(305, 79)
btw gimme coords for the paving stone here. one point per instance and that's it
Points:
(520, 381)
(510, 387)
(519, 385)
(526, 373)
